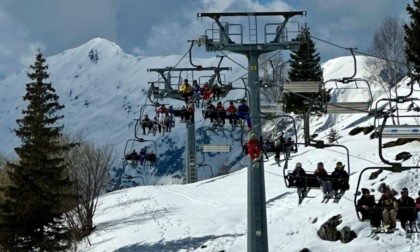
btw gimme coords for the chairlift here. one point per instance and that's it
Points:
(125, 176)
(395, 111)
(220, 119)
(211, 148)
(135, 144)
(220, 147)
(378, 169)
(310, 180)
(153, 128)
(302, 87)
(361, 106)
(171, 89)
(290, 143)
(396, 131)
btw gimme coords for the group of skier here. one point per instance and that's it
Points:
(195, 92)
(389, 209)
(218, 113)
(141, 157)
(163, 119)
(332, 185)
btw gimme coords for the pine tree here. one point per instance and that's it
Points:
(412, 31)
(304, 66)
(333, 136)
(31, 212)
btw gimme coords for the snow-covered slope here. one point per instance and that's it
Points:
(211, 215)
(104, 98)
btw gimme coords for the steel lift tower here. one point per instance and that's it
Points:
(229, 37)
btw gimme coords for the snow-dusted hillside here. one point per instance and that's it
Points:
(103, 97)
(211, 215)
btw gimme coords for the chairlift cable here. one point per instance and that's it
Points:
(182, 57)
(362, 53)
(246, 68)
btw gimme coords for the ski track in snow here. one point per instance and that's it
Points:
(414, 243)
(210, 203)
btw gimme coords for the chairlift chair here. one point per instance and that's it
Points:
(310, 179)
(358, 193)
(302, 87)
(171, 90)
(126, 177)
(391, 131)
(211, 148)
(395, 131)
(361, 106)
(289, 146)
(135, 144)
(345, 83)
(138, 126)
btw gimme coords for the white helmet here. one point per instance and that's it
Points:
(279, 133)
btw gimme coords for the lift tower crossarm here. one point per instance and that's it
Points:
(181, 69)
(285, 14)
(228, 44)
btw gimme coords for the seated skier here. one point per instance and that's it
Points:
(366, 205)
(253, 146)
(406, 211)
(389, 204)
(340, 179)
(323, 180)
(298, 179)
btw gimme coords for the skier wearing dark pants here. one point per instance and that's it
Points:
(366, 205)
(406, 210)
(340, 179)
(298, 179)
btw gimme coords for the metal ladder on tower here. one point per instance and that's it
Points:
(253, 30)
(193, 169)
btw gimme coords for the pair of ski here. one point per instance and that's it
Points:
(303, 195)
(409, 230)
(335, 198)
(381, 230)
(326, 200)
